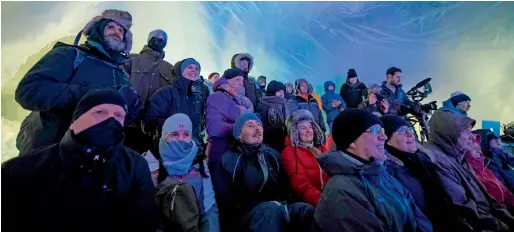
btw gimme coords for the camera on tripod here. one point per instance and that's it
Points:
(418, 93)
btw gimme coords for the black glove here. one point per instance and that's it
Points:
(134, 105)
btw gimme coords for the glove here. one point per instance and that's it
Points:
(134, 105)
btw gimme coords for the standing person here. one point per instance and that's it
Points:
(450, 137)
(317, 97)
(244, 62)
(332, 103)
(412, 166)
(148, 72)
(211, 79)
(361, 195)
(261, 85)
(372, 102)
(179, 155)
(187, 95)
(305, 100)
(289, 91)
(224, 106)
(305, 142)
(250, 185)
(459, 103)
(87, 182)
(396, 97)
(273, 111)
(53, 86)
(352, 90)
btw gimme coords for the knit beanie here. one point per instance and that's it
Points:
(261, 78)
(274, 87)
(351, 73)
(231, 73)
(155, 33)
(187, 62)
(458, 97)
(240, 122)
(178, 121)
(392, 123)
(99, 97)
(350, 124)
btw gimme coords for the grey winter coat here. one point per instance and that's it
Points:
(365, 198)
(148, 73)
(458, 179)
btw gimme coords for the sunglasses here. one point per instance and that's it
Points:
(376, 130)
(404, 130)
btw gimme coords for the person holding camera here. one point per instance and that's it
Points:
(375, 101)
(399, 103)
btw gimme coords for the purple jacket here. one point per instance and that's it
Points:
(221, 113)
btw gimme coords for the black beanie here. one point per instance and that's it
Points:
(393, 123)
(231, 73)
(351, 73)
(98, 97)
(459, 97)
(274, 87)
(350, 124)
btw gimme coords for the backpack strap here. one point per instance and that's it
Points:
(79, 57)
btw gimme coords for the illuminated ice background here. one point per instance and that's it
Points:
(465, 46)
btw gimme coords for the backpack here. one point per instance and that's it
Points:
(178, 207)
(276, 115)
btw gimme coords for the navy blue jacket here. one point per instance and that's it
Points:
(183, 96)
(352, 94)
(52, 88)
(396, 100)
(327, 99)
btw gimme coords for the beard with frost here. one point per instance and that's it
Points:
(115, 44)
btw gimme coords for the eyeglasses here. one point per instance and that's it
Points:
(404, 130)
(376, 130)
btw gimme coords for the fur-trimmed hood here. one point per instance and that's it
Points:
(123, 18)
(299, 82)
(238, 57)
(293, 133)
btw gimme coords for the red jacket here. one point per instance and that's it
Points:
(306, 177)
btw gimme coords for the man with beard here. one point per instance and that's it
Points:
(250, 186)
(87, 182)
(148, 73)
(244, 62)
(397, 98)
(54, 85)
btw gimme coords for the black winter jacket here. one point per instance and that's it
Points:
(63, 188)
(352, 94)
(52, 88)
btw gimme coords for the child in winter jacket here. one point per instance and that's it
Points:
(332, 103)
(179, 162)
(305, 142)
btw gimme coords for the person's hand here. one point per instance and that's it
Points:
(372, 99)
(341, 109)
(384, 104)
(334, 103)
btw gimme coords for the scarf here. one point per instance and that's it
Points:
(177, 156)
(239, 97)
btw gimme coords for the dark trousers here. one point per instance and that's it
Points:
(270, 217)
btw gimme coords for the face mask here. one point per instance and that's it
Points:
(177, 156)
(104, 134)
(157, 44)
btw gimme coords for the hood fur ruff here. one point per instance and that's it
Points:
(123, 18)
(237, 57)
(293, 133)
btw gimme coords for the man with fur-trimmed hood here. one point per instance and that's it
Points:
(244, 62)
(54, 85)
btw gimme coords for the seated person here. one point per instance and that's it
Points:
(180, 161)
(450, 138)
(360, 195)
(250, 186)
(306, 141)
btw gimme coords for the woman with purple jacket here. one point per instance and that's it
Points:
(223, 108)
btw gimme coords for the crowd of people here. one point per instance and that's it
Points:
(119, 142)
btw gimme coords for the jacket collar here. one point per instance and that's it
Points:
(150, 52)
